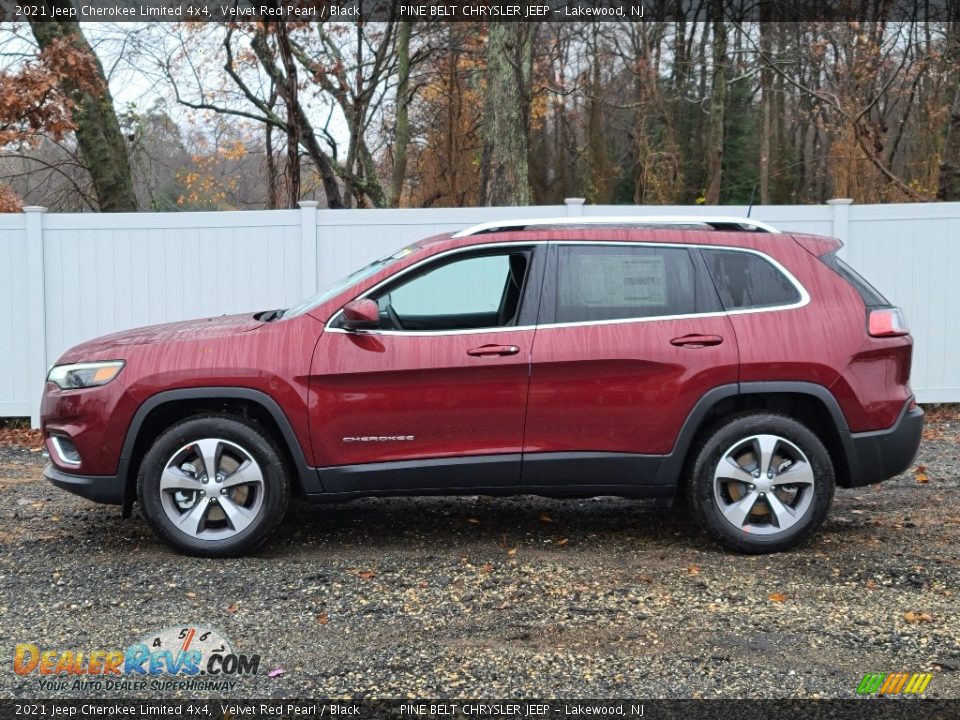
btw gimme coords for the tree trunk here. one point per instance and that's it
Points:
(273, 193)
(600, 176)
(304, 131)
(294, 126)
(402, 128)
(504, 169)
(766, 103)
(718, 96)
(949, 183)
(99, 138)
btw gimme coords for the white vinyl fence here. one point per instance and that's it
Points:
(67, 278)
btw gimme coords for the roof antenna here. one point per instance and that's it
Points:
(753, 192)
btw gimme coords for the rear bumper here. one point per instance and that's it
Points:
(107, 489)
(882, 454)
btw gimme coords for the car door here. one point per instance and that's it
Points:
(435, 397)
(631, 337)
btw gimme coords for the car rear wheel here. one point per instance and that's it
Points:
(761, 483)
(213, 486)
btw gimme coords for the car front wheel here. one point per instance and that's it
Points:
(761, 483)
(214, 486)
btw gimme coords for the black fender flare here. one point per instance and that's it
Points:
(308, 477)
(672, 465)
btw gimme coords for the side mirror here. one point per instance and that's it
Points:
(361, 315)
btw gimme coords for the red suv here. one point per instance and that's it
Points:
(741, 369)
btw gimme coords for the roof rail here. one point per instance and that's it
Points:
(713, 221)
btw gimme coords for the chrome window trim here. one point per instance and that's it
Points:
(802, 302)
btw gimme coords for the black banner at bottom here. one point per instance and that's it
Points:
(123, 709)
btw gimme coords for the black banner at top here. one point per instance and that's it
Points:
(485, 10)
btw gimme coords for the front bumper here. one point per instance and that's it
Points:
(882, 454)
(107, 489)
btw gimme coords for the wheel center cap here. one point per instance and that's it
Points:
(763, 484)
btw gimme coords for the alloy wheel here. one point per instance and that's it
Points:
(764, 485)
(212, 489)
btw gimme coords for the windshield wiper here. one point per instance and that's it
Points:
(270, 315)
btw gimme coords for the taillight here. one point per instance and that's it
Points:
(887, 322)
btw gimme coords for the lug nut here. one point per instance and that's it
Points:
(202, 493)
(206, 480)
(223, 491)
(753, 487)
(756, 473)
(770, 474)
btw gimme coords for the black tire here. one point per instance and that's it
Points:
(234, 435)
(706, 497)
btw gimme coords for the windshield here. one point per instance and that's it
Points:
(342, 284)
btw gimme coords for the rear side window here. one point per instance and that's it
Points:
(618, 282)
(868, 293)
(745, 280)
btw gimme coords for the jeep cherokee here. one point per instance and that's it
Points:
(743, 371)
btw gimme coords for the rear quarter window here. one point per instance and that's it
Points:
(868, 293)
(745, 280)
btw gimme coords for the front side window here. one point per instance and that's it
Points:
(745, 280)
(619, 282)
(474, 292)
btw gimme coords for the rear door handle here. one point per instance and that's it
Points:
(696, 341)
(492, 350)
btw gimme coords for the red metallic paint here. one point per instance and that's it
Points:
(617, 387)
(428, 387)
(622, 387)
(236, 351)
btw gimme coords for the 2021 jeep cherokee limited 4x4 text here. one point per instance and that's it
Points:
(747, 370)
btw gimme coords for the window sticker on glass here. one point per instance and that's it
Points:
(622, 281)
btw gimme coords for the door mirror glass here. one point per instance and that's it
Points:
(361, 314)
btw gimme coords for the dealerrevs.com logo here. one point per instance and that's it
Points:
(894, 683)
(186, 657)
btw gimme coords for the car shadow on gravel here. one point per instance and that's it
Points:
(413, 523)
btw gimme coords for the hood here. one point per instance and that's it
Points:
(188, 330)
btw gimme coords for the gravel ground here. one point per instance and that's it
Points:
(520, 597)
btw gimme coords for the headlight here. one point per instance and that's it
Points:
(84, 375)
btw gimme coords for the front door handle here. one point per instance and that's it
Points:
(492, 350)
(696, 341)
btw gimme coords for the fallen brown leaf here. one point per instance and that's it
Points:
(511, 552)
(366, 574)
(322, 618)
(871, 585)
(693, 569)
(544, 518)
(777, 597)
(232, 608)
(473, 520)
(912, 617)
(562, 541)
(486, 569)
(644, 578)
